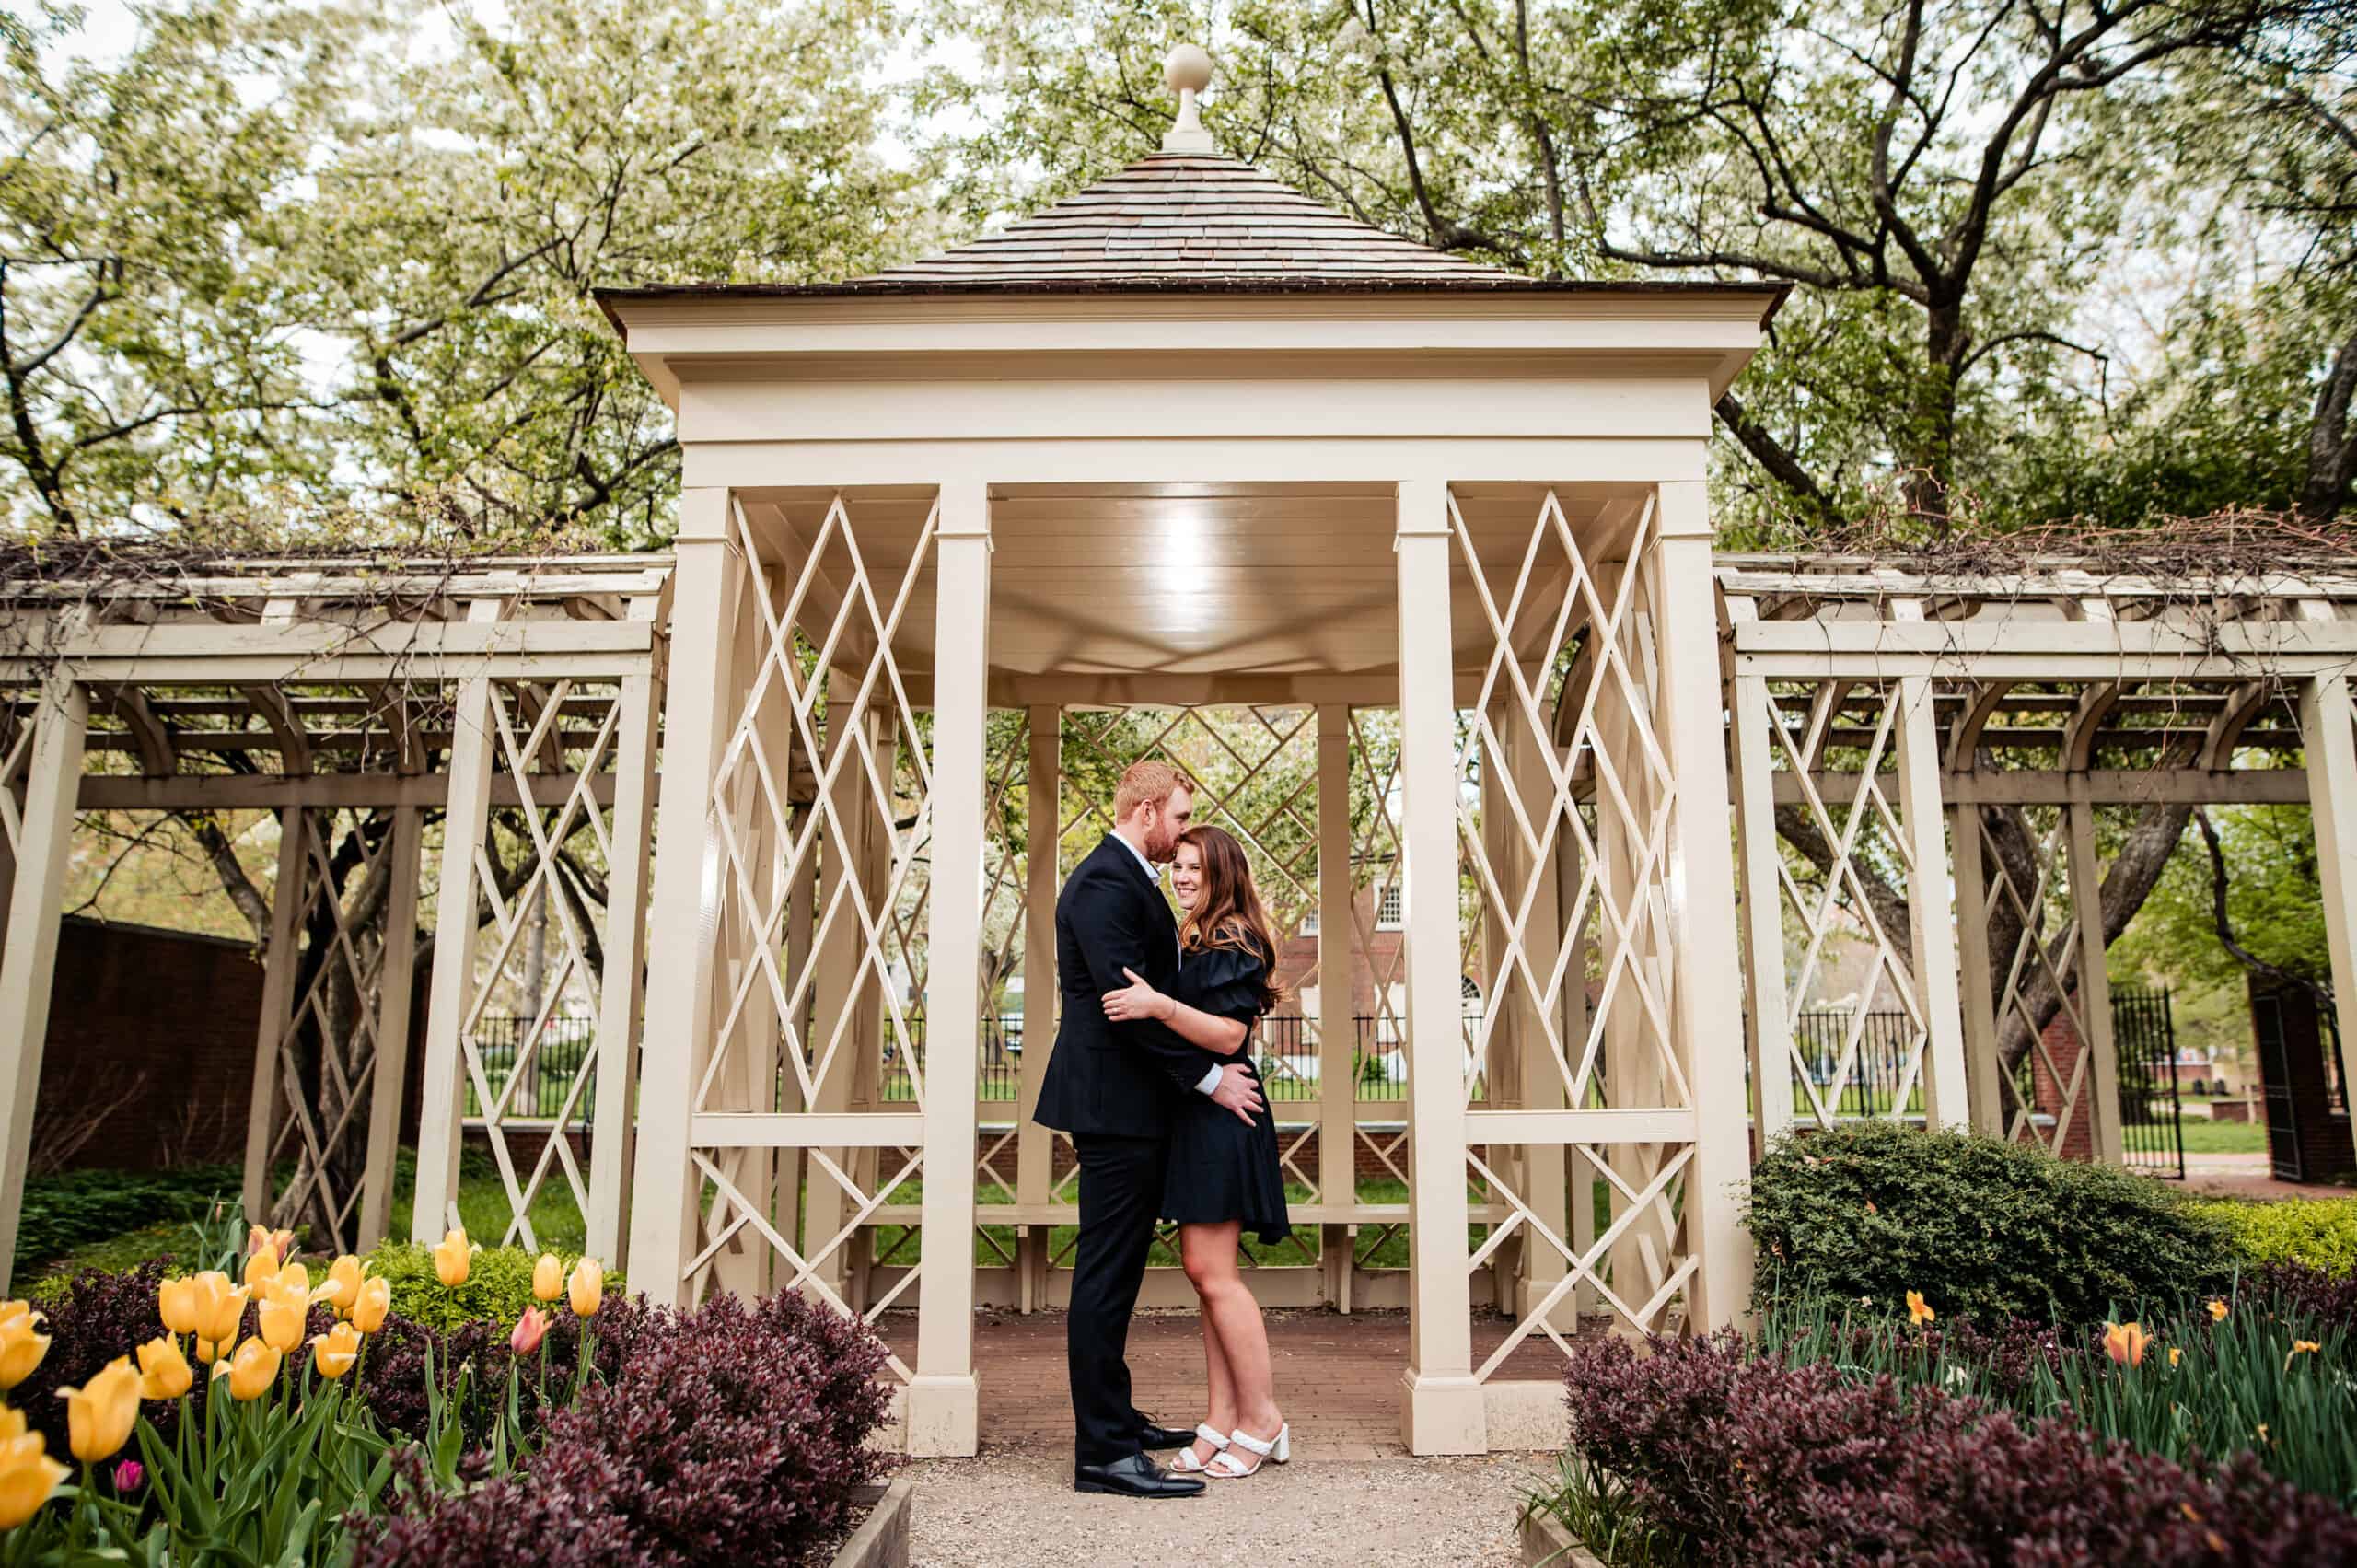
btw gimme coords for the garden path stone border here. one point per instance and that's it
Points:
(1546, 1544)
(882, 1541)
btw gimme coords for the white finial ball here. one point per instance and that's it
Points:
(1187, 69)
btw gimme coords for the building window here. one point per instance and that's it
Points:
(1309, 923)
(1391, 909)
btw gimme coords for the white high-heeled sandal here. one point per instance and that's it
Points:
(1186, 1461)
(1279, 1448)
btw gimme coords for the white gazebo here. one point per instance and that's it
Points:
(1189, 440)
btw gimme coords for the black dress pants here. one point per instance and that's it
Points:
(1121, 1189)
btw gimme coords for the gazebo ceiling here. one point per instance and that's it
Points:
(1202, 579)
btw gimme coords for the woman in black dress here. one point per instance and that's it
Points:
(1224, 1175)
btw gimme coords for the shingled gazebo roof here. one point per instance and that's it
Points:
(1190, 218)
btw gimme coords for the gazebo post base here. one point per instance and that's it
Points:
(945, 1417)
(1443, 1415)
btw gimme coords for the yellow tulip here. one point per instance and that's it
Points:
(2125, 1343)
(204, 1352)
(1918, 1310)
(101, 1413)
(176, 1304)
(587, 1288)
(333, 1352)
(548, 1278)
(2176, 1353)
(252, 1369)
(22, 1345)
(28, 1475)
(163, 1371)
(453, 1258)
(2217, 1311)
(260, 1264)
(344, 1283)
(284, 1312)
(220, 1307)
(368, 1309)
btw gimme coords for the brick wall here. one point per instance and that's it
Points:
(2062, 1045)
(156, 1029)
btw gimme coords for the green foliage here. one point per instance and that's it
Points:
(78, 1207)
(2319, 1232)
(1984, 1229)
(2274, 902)
(498, 1284)
(272, 264)
(1949, 321)
(1601, 1512)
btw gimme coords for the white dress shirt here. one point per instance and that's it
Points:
(1211, 1079)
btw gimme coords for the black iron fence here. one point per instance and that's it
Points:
(546, 1074)
(2151, 1132)
(1287, 1048)
(1819, 1037)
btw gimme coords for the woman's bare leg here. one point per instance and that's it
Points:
(1230, 1312)
(1220, 1415)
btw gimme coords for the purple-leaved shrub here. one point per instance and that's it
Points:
(1752, 1460)
(729, 1435)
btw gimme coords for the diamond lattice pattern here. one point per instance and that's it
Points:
(1565, 803)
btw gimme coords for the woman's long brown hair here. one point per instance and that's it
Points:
(1230, 914)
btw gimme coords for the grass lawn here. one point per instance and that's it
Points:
(2203, 1136)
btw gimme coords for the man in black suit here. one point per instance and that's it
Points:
(1113, 1086)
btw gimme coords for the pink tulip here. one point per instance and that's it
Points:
(529, 1329)
(128, 1476)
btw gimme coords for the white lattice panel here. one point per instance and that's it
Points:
(1565, 804)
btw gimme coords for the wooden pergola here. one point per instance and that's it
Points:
(1951, 737)
(353, 698)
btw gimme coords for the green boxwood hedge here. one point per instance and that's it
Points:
(1985, 1229)
(498, 1284)
(2319, 1232)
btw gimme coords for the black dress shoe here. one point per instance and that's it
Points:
(1135, 1476)
(1151, 1438)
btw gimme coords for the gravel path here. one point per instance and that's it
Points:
(1014, 1507)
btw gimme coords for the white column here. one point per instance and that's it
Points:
(1035, 1146)
(396, 986)
(28, 961)
(2102, 1092)
(287, 913)
(2325, 729)
(1442, 1411)
(1931, 934)
(621, 986)
(683, 916)
(1538, 1073)
(1977, 1000)
(1707, 1017)
(1770, 1021)
(464, 824)
(943, 1396)
(1338, 1105)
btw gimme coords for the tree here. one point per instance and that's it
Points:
(146, 210)
(489, 188)
(1942, 184)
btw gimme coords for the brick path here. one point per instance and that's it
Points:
(1338, 1378)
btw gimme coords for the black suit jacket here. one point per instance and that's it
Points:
(1105, 1077)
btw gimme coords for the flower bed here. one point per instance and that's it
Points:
(1970, 1351)
(293, 1416)
(1725, 1456)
